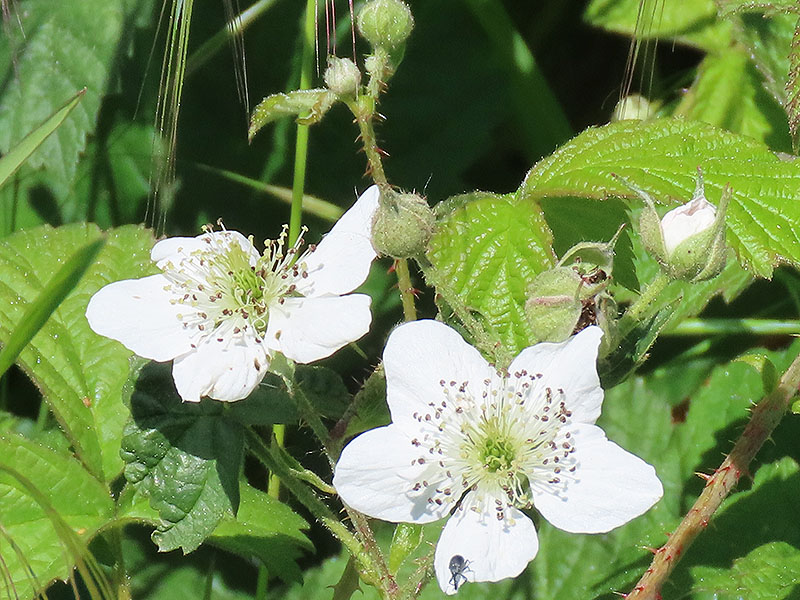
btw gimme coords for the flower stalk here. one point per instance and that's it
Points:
(645, 305)
(766, 416)
(271, 458)
(406, 289)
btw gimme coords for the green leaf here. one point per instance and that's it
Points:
(184, 456)
(314, 102)
(662, 158)
(727, 8)
(324, 388)
(66, 46)
(733, 539)
(80, 374)
(728, 93)
(793, 87)
(768, 40)
(770, 572)
(266, 529)
(692, 22)
(369, 406)
(11, 161)
(53, 293)
(639, 415)
(44, 522)
(487, 249)
(407, 538)
(268, 404)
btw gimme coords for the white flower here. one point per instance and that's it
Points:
(686, 221)
(478, 445)
(221, 310)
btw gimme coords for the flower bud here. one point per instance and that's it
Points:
(572, 295)
(633, 107)
(689, 241)
(403, 224)
(554, 307)
(386, 23)
(342, 76)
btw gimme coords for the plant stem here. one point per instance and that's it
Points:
(301, 147)
(406, 289)
(373, 568)
(298, 183)
(645, 305)
(312, 205)
(262, 583)
(270, 457)
(708, 327)
(766, 416)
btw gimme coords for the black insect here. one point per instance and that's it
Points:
(458, 566)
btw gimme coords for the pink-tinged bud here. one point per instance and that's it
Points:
(686, 221)
(689, 241)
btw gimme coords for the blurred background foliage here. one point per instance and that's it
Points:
(486, 88)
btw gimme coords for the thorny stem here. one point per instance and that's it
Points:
(271, 458)
(387, 580)
(379, 574)
(363, 110)
(766, 416)
(364, 548)
(419, 578)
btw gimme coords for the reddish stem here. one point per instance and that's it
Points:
(766, 416)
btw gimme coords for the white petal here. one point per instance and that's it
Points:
(308, 329)
(220, 370)
(687, 220)
(342, 259)
(570, 366)
(495, 549)
(375, 476)
(138, 313)
(175, 249)
(611, 486)
(418, 357)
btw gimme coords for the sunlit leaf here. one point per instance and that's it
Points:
(80, 374)
(662, 157)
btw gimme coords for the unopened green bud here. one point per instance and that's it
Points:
(554, 306)
(342, 76)
(403, 224)
(386, 23)
(688, 241)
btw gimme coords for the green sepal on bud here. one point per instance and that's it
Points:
(403, 224)
(572, 295)
(342, 76)
(689, 241)
(385, 23)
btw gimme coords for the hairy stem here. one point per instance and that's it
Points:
(766, 416)
(406, 289)
(645, 305)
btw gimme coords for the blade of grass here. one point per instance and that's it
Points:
(237, 25)
(19, 153)
(311, 204)
(48, 301)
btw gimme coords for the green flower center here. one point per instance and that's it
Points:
(497, 454)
